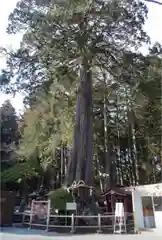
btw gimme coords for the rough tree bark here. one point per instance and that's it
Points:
(107, 182)
(133, 147)
(81, 162)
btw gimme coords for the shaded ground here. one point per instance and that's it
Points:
(26, 234)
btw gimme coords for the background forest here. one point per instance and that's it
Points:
(92, 100)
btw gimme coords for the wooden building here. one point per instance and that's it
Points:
(114, 195)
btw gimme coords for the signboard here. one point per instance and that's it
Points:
(120, 221)
(119, 209)
(41, 210)
(71, 206)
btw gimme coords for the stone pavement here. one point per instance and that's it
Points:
(25, 234)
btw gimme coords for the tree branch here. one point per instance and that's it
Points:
(154, 1)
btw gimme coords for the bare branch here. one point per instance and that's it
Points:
(154, 1)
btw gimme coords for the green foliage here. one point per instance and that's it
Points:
(59, 198)
(10, 134)
(9, 124)
(47, 124)
(47, 67)
(19, 172)
(53, 38)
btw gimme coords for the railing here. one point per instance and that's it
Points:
(71, 222)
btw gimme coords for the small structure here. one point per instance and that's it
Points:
(81, 189)
(85, 198)
(117, 195)
(147, 206)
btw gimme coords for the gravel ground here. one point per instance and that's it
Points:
(25, 234)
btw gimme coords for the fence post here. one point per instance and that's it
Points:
(72, 224)
(48, 214)
(23, 218)
(31, 213)
(134, 210)
(99, 224)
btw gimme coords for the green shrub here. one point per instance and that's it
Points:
(59, 198)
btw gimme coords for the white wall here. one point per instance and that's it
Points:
(139, 220)
(158, 213)
(146, 190)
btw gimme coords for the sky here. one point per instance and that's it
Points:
(153, 27)
(11, 42)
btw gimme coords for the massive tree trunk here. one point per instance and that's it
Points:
(80, 165)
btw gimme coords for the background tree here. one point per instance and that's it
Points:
(10, 134)
(84, 35)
